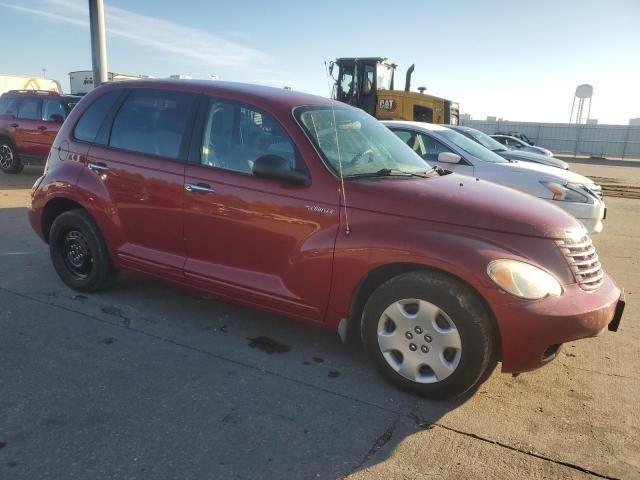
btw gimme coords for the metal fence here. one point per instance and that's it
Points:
(620, 141)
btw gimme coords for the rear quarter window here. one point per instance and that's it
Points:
(91, 120)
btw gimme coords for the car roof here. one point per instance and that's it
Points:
(509, 136)
(432, 127)
(278, 97)
(462, 128)
(31, 93)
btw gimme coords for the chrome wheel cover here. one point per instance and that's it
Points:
(419, 340)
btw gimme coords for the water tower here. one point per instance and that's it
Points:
(583, 93)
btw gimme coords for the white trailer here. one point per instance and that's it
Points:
(18, 82)
(81, 82)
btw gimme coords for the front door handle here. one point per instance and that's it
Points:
(14, 125)
(42, 128)
(198, 188)
(98, 167)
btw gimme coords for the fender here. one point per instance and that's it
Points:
(78, 184)
(380, 241)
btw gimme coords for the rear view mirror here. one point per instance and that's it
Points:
(56, 118)
(448, 157)
(275, 167)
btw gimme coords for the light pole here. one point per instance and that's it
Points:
(98, 42)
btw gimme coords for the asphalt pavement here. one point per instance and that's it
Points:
(150, 381)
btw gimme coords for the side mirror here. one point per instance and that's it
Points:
(532, 143)
(275, 167)
(56, 118)
(448, 157)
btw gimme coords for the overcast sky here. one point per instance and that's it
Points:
(516, 60)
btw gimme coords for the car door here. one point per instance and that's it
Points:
(250, 239)
(27, 122)
(140, 160)
(53, 114)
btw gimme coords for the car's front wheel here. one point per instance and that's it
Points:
(428, 333)
(9, 160)
(79, 253)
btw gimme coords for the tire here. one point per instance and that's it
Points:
(79, 252)
(9, 160)
(429, 334)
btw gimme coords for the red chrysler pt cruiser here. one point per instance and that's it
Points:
(313, 210)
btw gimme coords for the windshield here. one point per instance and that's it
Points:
(384, 76)
(471, 147)
(365, 145)
(486, 141)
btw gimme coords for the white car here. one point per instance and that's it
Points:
(520, 145)
(443, 147)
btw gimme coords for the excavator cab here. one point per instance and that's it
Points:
(359, 79)
(367, 83)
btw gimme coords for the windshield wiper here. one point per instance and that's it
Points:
(393, 172)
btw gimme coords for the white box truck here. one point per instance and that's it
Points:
(81, 82)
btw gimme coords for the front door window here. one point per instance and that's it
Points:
(235, 136)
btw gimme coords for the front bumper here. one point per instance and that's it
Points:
(530, 330)
(590, 214)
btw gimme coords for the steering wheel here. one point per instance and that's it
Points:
(356, 158)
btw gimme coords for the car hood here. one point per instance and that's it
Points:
(462, 201)
(533, 157)
(547, 173)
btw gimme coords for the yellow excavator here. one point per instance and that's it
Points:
(368, 83)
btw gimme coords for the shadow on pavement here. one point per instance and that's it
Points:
(151, 379)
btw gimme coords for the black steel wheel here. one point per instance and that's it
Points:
(79, 253)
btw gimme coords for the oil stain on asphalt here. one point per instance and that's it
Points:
(268, 345)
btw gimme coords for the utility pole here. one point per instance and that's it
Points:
(98, 42)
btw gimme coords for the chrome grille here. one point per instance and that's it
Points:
(583, 260)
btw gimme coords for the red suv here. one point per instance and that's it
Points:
(29, 122)
(313, 210)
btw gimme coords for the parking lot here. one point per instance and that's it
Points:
(148, 381)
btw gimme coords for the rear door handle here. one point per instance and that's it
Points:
(198, 188)
(14, 125)
(42, 128)
(98, 167)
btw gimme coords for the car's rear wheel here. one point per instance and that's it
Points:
(79, 253)
(9, 160)
(428, 333)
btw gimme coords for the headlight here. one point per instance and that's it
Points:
(567, 193)
(523, 280)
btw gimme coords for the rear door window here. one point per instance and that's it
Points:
(235, 135)
(29, 109)
(153, 122)
(92, 118)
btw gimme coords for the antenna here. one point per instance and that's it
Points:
(347, 230)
